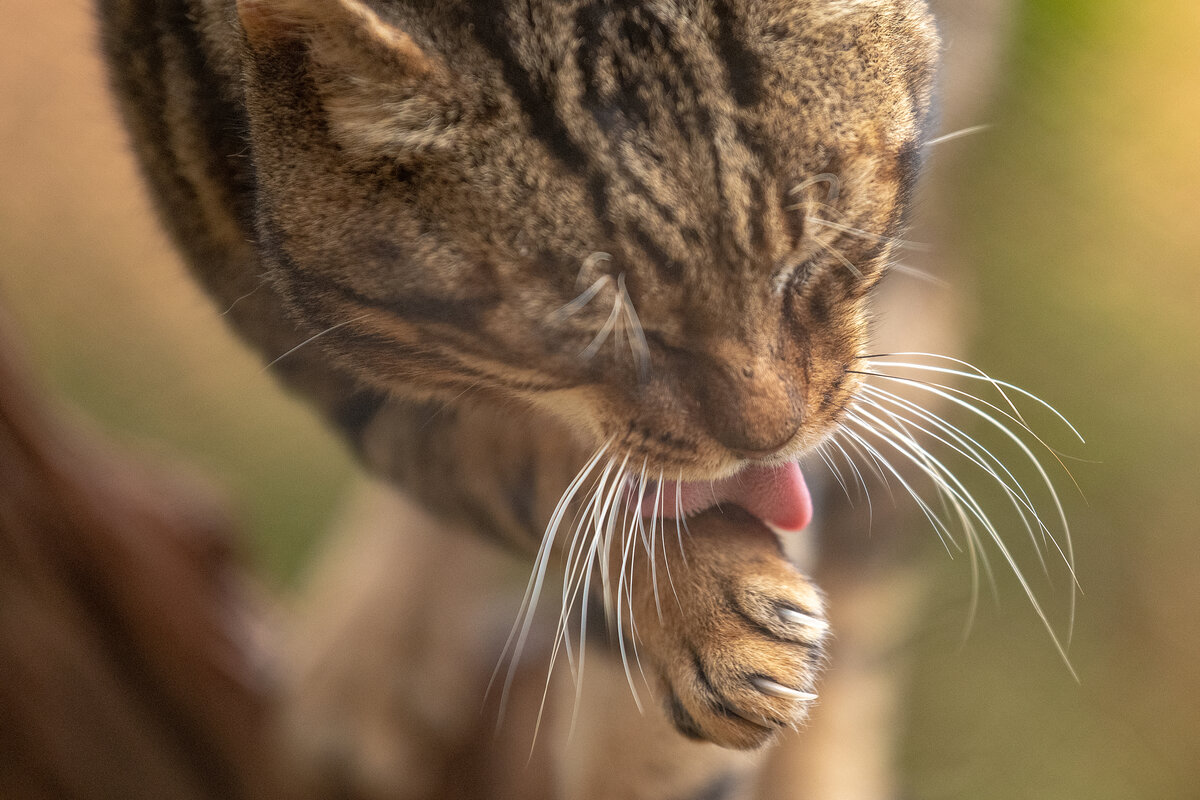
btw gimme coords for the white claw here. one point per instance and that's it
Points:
(800, 618)
(768, 686)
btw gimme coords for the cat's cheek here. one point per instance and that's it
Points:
(578, 409)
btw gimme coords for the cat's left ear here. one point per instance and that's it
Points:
(380, 92)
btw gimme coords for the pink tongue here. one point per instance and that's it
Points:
(776, 495)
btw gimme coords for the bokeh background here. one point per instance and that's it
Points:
(1076, 216)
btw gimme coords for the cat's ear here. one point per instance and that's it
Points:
(345, 33)
(381, 93)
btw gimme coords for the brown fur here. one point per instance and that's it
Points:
(431, 267)
(406, 199)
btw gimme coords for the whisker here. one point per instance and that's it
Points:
(975, 554)
(939, 527)
(577, 559)
(604, 331)
(945, 494)
(975, 374)
(965, 445)
(658, 497)
(579, 577)
(630, 528)
(589, 262)
(837, 473)
(649, 544)
(515, 644)
(919, 274)
(955, 396)
(582, 300)
(869, 461)
(680, 519)
(587, 570)
(313, 338)
(237, 300)
(949, 137)
(967, 509)
(605, 526)
(637, 342)
(914, 446)
(847, 263)
(865, 491)
(1014, 416)
(441, 408)
(612, 599)
(828, 178)
(945, 479)
(877, 237)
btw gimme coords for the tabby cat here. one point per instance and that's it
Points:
(587, 276)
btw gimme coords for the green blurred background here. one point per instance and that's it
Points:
(1078, 214)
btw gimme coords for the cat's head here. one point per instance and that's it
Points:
(657, 220)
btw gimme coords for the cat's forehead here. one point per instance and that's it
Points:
(691, 121)
(669, 135)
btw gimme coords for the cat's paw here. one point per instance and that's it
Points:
(740, 636)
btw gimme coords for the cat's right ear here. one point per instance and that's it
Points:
(381, 93)
(341, 33)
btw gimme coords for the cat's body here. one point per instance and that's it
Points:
(493, 240)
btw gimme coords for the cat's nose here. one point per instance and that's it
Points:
(751, 407)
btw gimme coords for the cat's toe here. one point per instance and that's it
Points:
(747, 639)
(741, 682)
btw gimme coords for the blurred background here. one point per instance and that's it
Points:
(1076, 215)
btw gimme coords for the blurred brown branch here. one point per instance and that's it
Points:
(127, 639)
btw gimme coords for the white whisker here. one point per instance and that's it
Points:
(631, 527)
(602, 335)
(919, 274)
(949, 137)
(828, 178)
(871, 463)
(313, 338)
(877, 237)
(946, 492)
(579, 575)
(866, 492)
(237, 300)
(969, 448)
(624, 544)
(515, 644)
(976, 374)
(648, 539)
(658, 498)
(939, 527)
(637, 340)
(837, 473)
(582, 300)
(833, 251)
(904, 444)
(953, 396)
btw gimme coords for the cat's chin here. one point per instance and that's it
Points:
(775, 495)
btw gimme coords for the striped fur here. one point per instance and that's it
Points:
(427, 216)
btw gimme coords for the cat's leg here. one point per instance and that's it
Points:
(731, 630)
(392, 648)
(393, 645)
(722, 641)
(728, 636)
(735, 632)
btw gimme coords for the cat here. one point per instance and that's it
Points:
(587, 278)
